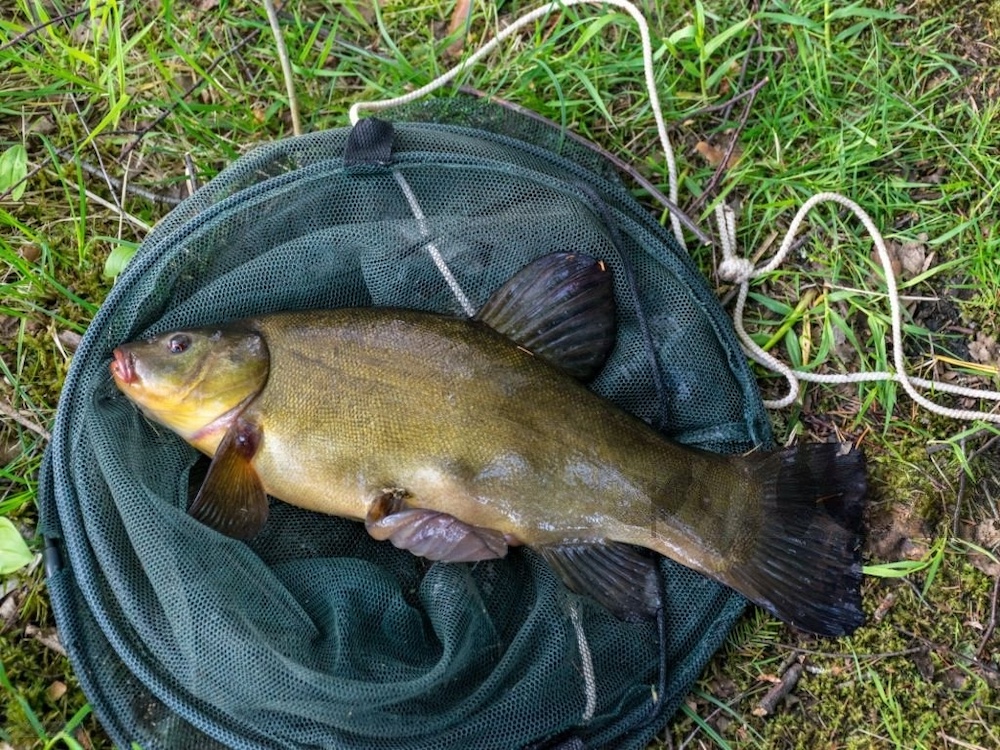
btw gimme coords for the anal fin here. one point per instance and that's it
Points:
(429, 533)
(618, 576)
(232, 498)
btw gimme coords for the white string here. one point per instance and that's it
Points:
(432, 248)
(515, 27)
(586, 665)
(741, 271)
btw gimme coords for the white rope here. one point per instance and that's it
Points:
(432, 248)
(586, 665)
(515, 27)
(741, 271)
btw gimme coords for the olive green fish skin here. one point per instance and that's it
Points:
(467, 423)
(451, 440)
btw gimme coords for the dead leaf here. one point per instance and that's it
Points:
(70, 340)
(459, 22)
(983, 348)
(895, 263)
(985, 534)
(84, 739)
(884, 606)
(9, 610)
(908, 258)
(715, 154)
(47, 637)
(897, 532)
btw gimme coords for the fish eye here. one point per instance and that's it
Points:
(179, 343)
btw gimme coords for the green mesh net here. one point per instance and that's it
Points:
(313, 635)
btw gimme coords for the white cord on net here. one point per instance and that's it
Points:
(515, 27)
(432, 248)
(741, 271)
(586, 664)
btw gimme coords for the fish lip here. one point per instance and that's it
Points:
(123, 367)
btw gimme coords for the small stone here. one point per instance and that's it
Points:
(56, 691)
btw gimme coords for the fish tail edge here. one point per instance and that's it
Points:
(806, 568)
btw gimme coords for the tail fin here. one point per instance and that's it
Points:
(806, 569)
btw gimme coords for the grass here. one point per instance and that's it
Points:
(895, 106)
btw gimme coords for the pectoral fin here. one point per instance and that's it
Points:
(429, 533)
(561, 308)
(232, 498)
(620, 577)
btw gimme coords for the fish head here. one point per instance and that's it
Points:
(187, 380)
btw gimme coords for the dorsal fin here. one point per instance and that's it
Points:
(561, 307)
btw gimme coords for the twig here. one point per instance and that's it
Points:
(735, 136)
(120, 184)
(884, 606)
(842, 655)
(35, 29)
(100, 162)
(960, 495)
(686, 220)
(939, 647)
(993, 619)
(146, 129)
(97, 152)
(286, 65)
(22, 420)
(133, 220)
(720, 105)
(781, 688)
(97, 172)
(9, 191)
(984, 447)
(754, 7)
(960, 743)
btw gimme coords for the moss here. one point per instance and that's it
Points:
(901, 682)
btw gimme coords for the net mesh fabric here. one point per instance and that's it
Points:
(313, 634)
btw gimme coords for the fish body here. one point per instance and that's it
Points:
(454, 440)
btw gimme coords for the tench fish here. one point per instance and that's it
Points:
(459, 438)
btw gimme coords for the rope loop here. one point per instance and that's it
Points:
(736, 270)
(742, 272)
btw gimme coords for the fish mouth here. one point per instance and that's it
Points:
(123, 367)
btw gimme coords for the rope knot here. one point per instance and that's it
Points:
(737, 270)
